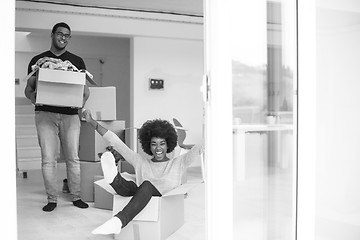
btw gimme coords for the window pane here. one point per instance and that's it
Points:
(264, 108)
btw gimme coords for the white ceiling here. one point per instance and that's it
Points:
(186, 7)
(348, 9)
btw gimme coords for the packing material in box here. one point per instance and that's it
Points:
(60, 88)
(102, 103)
(161, 217)
(92, 143)
(88, 170)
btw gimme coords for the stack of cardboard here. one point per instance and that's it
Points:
(102, 105)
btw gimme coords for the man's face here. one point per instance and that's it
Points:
(60, 38)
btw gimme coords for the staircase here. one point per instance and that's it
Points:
(28, 155)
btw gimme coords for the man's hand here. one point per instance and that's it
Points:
(86, 114)
(30, 89)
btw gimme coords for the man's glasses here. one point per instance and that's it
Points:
(61, 35)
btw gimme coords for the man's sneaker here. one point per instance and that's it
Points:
(80, 204)
(65, 188)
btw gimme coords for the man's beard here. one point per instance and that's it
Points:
(57, 47)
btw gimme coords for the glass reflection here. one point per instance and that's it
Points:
(264, 109)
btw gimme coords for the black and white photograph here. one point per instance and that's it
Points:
(180, 119)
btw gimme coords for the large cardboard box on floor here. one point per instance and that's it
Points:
(102, 103)
(158, 220)
(60, 88)
(92, 143)
(88, 171)
(103, 199)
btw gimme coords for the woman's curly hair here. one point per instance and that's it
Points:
(160, 129)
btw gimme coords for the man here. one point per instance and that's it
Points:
(58, 124)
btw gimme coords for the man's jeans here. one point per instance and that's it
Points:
(54, 129)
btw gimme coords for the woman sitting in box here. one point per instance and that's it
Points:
(154, 177)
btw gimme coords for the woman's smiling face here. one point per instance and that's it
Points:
(158, 148)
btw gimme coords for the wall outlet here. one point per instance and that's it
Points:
(156, 83)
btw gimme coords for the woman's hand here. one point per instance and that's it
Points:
(86, 114)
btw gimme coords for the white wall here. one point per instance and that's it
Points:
(180, 64)
(8, 204)
(338, 129)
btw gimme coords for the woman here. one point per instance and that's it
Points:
(154, 177)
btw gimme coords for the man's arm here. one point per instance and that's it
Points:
(81, 66)
(30, 89)
(86, 94)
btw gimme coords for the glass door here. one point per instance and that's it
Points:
(255, 63)
(263, 94)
